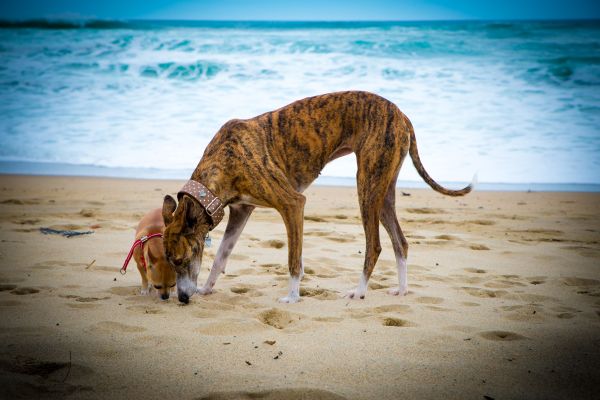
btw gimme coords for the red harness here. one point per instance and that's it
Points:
(140, 242)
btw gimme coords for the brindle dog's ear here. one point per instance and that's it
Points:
(169, 206)
(190, 212)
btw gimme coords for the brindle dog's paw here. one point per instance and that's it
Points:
(204, 291)
(398, 291)
(355, 294)
(289, 299)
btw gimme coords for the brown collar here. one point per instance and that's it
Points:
(211, 203)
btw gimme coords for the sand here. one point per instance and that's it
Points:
(503, 302)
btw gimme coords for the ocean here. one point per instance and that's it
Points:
(516, 102)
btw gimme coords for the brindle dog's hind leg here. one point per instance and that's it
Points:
(238, 216)
(399, 243)
(371, 193)
(378, 165)
(292, 212)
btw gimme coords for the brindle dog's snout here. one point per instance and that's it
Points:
(184, 298)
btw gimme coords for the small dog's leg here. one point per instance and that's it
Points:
(145, 289)
(238, 216)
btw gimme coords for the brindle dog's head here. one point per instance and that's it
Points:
(186, 227)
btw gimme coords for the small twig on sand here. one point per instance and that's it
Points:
(69, 370)
(90, 264)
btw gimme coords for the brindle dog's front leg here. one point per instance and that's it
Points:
(238, 216)
(292, 213)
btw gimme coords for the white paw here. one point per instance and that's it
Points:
(398, 291)
(144, 292)
(204, 291)
(355, 294)
(289, 299)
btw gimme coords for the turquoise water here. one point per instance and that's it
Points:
(517, 102)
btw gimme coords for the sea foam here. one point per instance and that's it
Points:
(516, 101)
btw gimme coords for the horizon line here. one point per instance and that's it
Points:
(69, 18)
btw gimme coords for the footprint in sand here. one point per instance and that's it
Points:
(247, 290)
(501, 336)
(279, 319)
(484, 293)
(374, 285)
(397, 322)
(447, 237)
(24, 290)
(274, 244)
(524, 312)
(396, 308)
(277, 269)
(318, 293)
(565, 315)
(84, 299)
(502, 284)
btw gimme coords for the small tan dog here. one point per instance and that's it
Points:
(149, 255)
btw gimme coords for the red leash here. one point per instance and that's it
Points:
(140, 242)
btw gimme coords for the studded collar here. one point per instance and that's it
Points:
(207, 199)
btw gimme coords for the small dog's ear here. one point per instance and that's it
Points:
(169, 206)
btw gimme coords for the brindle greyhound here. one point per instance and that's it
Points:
(270, 159)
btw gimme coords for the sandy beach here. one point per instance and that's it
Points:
(503, 302)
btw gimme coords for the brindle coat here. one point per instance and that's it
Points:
(270, 159)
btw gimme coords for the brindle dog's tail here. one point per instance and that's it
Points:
(414, 154)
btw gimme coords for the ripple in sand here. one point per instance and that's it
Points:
(115, 327)
(575, 281)
(228, 327)
(24, 291)
(288, 394)
(501, 336)
(429, 300)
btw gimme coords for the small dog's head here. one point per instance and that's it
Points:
(186, 226)
(160, 273)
